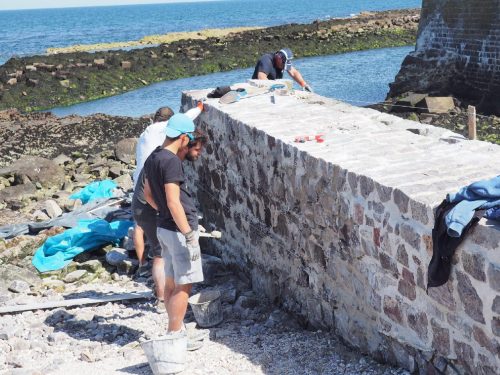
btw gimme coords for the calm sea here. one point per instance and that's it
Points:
(359, 78)
(29, 32)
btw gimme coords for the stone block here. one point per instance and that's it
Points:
(496, 305)
(418, 322)
(402, 255)
(12, 81)
(472, 303)
(401, 200)
(410, 236)
(440, 338)
(392, 309)
(52, 208)
(483, 340)
(474, 265)
(126, 65)
(494, 276)
(407, 289)
(444, 295)
(389, 264)
(465, 354)
(99, 62)
(74, 276)
(442, 104)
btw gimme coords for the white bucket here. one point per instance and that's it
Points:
(207, 308)
(168, 354)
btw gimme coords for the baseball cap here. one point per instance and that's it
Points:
(288, 57)
(179, 124)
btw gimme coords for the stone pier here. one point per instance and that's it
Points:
(339, 232)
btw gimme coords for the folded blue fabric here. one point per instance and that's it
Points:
(95, 190)
(60, 249)
(480, 195)
(493, 213)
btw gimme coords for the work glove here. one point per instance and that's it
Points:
(308, 88)
(193, 245)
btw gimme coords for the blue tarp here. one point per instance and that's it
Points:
(59, 250)
(94, 190)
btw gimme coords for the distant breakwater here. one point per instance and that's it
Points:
(47, 81)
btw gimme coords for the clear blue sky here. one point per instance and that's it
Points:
(33, 4)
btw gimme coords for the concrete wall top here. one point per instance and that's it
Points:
(423, 161)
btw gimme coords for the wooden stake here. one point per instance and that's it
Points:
(471, 112)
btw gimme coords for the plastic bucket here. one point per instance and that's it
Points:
(167, 355)
(207, 308)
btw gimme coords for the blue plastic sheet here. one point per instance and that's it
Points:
(59, 250)
(95, 190)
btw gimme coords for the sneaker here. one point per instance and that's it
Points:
(160, 306)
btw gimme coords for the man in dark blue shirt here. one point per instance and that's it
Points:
(272, 65)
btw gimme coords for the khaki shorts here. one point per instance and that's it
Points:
(178, 264)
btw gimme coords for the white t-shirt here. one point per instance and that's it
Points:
(152, 137)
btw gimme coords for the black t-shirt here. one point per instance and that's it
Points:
(163, 167)
(265, 65)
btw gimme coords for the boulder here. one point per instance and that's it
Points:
(17, 192)
(19, 286)
(116, 255)
(125, 150)
(12, 81)
(406, 103)
(437, 104)
(126, 64)
(125, 182)
(52, 208)
(37, 169)
(61, 159)
(74, 276)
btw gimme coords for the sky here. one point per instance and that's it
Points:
(34, 4)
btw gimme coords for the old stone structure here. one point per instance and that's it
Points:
(340, 231)
(457, 52)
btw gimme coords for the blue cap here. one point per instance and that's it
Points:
(288, 57)
(179, 124)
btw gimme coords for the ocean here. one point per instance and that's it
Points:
(359, 78)
(29, 32)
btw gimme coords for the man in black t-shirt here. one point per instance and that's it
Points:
(272, 65)
(177, 221)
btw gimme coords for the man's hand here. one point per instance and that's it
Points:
(308, 88)
(200, 106)
(193, 245)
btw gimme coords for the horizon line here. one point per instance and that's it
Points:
(107, 5)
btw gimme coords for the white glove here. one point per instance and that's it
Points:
(193, 245)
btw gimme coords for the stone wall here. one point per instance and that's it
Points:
(457, 52)
(339, 232)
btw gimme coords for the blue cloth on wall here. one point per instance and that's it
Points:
(60, 249)
(480, 195)
(94, 190)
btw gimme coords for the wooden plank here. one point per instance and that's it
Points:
(76, 302)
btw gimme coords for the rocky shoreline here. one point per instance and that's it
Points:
(43, 82)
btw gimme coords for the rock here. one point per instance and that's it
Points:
(74, 276)
(65, 83)
(436, 104)
(126, 64)
(61, 159)
(99, 62)
(19, 286)
(32, 82)
(128, 266)
(52, 209)
(11, 194)
(91, 266)
(39, 215)
(116, 255)
(125, 150)
(37, 169)
(12, 81)
(125, 182)
(56, 285)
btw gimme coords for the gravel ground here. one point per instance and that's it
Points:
(254, 338)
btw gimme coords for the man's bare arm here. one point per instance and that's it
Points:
(173, 195)
(295, 74)
(148, 195)
(262, 75)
